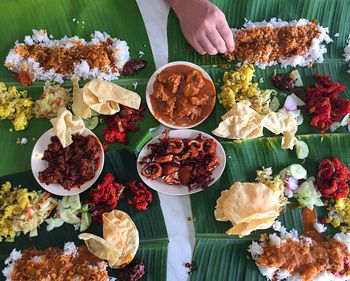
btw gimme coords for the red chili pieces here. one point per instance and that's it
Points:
(119, 124)
(323, 102)
(105, 196)
(332, 178)
(139, 195)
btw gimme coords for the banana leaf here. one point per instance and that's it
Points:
(16, 157)
(332, 14)
(121, 19)
(150, 224)
(243, 159)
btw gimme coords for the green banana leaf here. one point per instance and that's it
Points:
(213, 246)
(118, 18)
(150, 224)
(16, 157)
(332, 14)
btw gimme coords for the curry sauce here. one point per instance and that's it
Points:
(306, 261)
(182, 96)
(53, 264)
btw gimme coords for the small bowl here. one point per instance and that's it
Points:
(149, 91)
(39, 165)
(178, 189)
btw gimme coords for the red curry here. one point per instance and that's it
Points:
(182, 96)
(300, 259)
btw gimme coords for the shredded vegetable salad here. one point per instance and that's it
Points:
(22, 211)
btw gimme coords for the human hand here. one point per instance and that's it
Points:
(204, 26)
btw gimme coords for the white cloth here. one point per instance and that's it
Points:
(176, 209)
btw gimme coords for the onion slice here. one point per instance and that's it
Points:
(290, 104)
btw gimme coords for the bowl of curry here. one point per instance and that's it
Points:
(180, 95)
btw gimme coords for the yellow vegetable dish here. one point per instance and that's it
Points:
(238, 87)
(15, 106)
(22, 211)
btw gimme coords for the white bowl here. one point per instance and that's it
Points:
(149, 91)
(178, 189)
(39, 165)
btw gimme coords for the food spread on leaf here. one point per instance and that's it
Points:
(266, 43)
(43, 58)
(182, 96)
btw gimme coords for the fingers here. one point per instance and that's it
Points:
(207, 45)
(227, 36)
(198, 47)
(217, 41)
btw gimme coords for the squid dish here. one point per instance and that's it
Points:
(189, 162)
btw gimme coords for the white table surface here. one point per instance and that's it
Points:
(176, 209)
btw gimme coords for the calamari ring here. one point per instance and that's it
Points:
(175, 145)
(209, 146)
(195, 144)
(171, 179)
(152, 171)
(163, 159)
(169, 169)
(183, 156)
(213, 163)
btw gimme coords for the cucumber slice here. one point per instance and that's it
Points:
(69, 217)
(302, 150)
(91, 123)
(64, 202)
(85, 221)
(274, 104)
(74, 202)
(297, 171)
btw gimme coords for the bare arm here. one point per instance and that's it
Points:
(204, 26)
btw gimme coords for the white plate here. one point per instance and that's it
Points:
(39, 165)
(149, 91)
(159, 185)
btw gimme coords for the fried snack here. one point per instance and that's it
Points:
(65, 125)
(282, 123)
(241, 122)
(103, 97)
(120, 239)
(248, 206)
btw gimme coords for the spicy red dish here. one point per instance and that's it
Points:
(323, 102)
(189, 162)
(73, 165)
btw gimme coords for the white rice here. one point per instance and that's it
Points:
(69, 248)
(336, 35)
(255, 250)
(313, 55)
(347, 51)
(10, 263)
(343, 237)
(119, 49)
(320, 228)
(266, 271)
(275, 239)
(37, 258)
